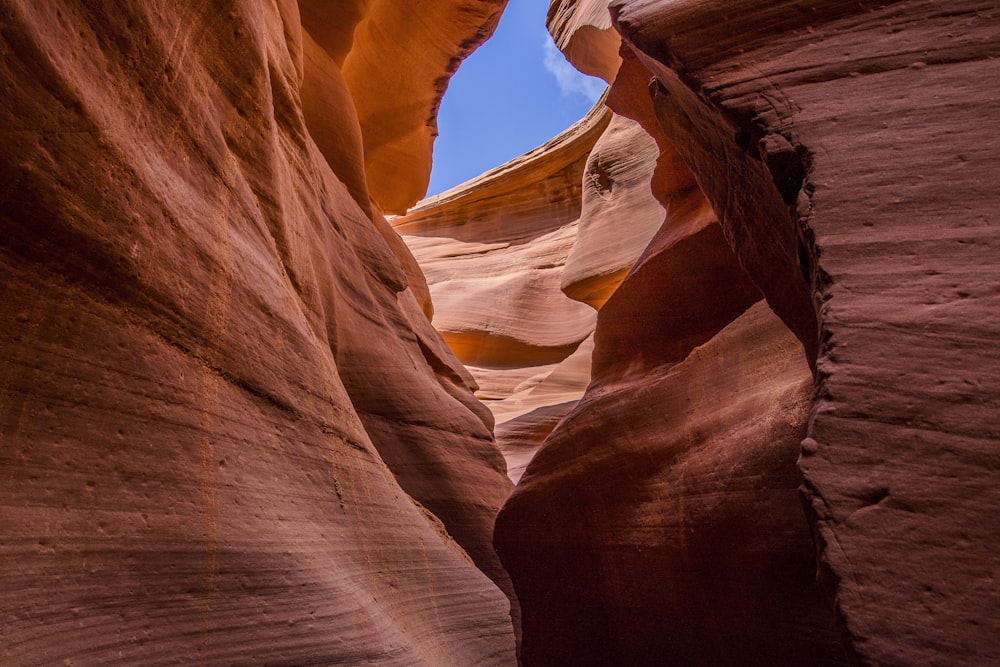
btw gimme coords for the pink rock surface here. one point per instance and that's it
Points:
(843, 163)
(890, 110)
(494, 252)
(229, 433)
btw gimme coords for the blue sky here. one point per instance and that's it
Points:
(512, 94)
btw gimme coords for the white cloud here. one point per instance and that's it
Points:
(570, 81)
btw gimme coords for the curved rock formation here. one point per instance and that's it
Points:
(898, 475)
(396, 59)
(503, 252)
(618, 212)
(688, 508)
(534, 194)
(841, 152)
(683, 446)
(229, 433)
(493, 251)
(583, 32)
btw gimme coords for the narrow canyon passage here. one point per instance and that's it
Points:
(592, 292)
(708, 378)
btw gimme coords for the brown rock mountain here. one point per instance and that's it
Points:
(745, 312)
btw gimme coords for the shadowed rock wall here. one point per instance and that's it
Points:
(832, 160)
(228, 433)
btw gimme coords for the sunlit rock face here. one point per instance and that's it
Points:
(229, 433)
(519, 260)
(583, 32)
(807, 324)
(396, 59)
(493, 251)
(618, 215)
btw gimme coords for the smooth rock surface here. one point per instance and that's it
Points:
(682, 516)
(886, 113)
(583, 32)
(229, 433)
(654, 487)
(494, 252)
(618, 214)
(401, 57)
(843, 159)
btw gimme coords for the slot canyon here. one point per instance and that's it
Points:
(710, 378)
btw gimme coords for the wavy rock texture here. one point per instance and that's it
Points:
(396, 59)
(493, 251)
(229, 434)
(888, 107)
(682, 449)
(618, 214)
(842, 162)
(513, 256)
(688, 509)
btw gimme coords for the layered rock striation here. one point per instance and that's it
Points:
(493, 251)
(229, 433)
(806, 328)
(519, 260)
(747, 310)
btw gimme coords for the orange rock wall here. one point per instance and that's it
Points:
(494, 252)
(228, 433)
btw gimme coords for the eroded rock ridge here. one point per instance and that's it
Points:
(228, 433)
(805, 328)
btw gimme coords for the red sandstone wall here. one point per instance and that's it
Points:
(228, 433)
(842, 151)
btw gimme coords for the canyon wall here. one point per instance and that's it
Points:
(518, 261)
(812, 327)
(493, 251)
(228, 432)
(747, 309)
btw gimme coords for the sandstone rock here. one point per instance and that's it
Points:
(229, 432)
(619, 214)
(398, 69)
(583, 32)
(493, 251)
(842, 150)
(500, 306)
(671, 460)
(683, 517)
(529, 412)
(889, 109)
(532, 195)
(572, 215)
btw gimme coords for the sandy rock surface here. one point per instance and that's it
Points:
(494, 253)
(843, 171)
(229, 433)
